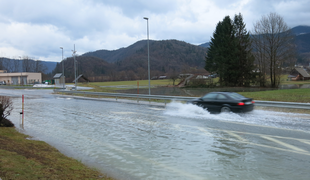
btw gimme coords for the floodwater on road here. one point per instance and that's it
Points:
(179, 141)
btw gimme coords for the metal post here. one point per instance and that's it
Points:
(21, 72)
(63, 67)
(23, 110)
(148, 53)
(74, 67)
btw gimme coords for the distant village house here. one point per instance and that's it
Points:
(298, 74)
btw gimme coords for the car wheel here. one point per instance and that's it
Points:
(225, 109)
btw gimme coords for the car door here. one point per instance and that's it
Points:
(221, 100)
(208, 101)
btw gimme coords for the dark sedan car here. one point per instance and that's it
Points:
(216, 102)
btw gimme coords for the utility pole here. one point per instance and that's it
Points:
(148, 54)
(75, 80)
(63, 67)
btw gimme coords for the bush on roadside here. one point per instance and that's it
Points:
(6, 107)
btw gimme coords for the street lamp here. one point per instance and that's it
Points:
(21, 72)
(63, 67)
(148, 53)
(74, 67)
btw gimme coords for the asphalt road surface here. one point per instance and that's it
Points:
(179, 141)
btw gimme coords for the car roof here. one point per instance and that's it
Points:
(223, 92)
(227, 93)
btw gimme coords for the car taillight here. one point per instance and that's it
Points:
(241, 104)
(253, 102)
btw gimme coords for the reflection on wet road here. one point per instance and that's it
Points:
(179, 141)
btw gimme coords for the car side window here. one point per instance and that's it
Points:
(210, 96)
(221, 97)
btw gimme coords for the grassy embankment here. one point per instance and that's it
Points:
(24, 159)
(289, 95)
(112, 86)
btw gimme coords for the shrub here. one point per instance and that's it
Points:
(6, 107)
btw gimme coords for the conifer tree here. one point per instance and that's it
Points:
(221, 55)
(229, 54)
(244, 55)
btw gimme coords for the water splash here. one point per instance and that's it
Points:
(258, 117)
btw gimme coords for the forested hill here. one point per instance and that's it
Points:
(26, 65)
(119, 54)
(167, 57)
(302, 38)
(165, 48)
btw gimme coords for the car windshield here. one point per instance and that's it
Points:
(235, 96)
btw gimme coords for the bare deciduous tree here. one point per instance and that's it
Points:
(6, 106)
(273, 46)
(28, 64)
(39, 66)
(16, 65)
(173, 75)
(1, 63)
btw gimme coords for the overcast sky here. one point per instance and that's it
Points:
(38, 28)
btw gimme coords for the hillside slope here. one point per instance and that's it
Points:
(119, 54)
(166, 57)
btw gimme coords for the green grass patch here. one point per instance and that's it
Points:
(24, 159)
(287, 95)
(163, 82)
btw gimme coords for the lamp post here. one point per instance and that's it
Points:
(63, 67)
(74, 67)
(148, 53)
(21, 72)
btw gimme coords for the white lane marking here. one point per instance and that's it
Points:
(157, 109)
(236, 136)
(283, 144)
(304, 141)
(123, 112)
(271, 147)
(204, 131)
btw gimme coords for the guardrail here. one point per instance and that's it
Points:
(183, 98)
(283, 104)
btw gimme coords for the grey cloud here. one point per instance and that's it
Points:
(112, 24)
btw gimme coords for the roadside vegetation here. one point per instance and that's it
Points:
(286, 95)
(289, 95)
(24, 159)
(21, 158)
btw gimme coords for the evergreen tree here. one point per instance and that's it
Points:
(229, 54)
(221, 56)
(245, 56)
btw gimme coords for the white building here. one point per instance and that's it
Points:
(20, 78)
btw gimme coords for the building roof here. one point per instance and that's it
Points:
(57, 76)
(302, 72)
(81, 76)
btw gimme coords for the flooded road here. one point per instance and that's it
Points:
(179, 141)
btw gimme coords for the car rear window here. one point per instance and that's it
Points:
(235, 96)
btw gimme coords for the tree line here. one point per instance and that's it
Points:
(241, 58)
(24, 64)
